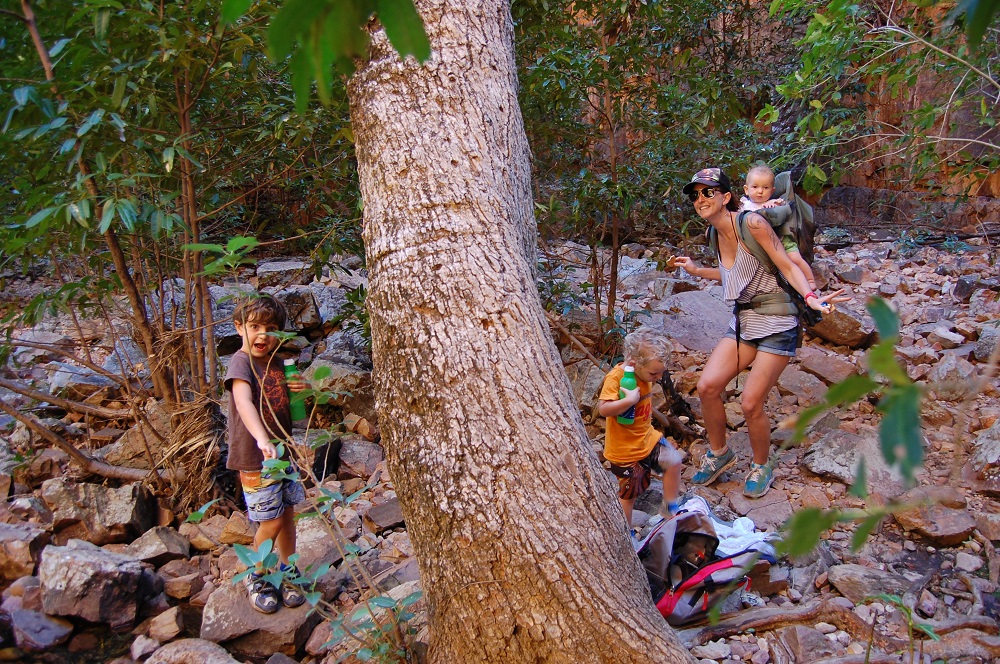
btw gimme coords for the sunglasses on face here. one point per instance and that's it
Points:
(707, 192)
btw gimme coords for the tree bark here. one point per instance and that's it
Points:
(522, 546)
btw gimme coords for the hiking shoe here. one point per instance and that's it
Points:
(758, 480)
(712, 466)
(291, 593)
(263, 596)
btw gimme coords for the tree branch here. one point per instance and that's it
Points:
(67, 404)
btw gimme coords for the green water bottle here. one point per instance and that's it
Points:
(297, 407)
(627, 383)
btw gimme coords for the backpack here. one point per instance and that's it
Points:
(794, 219)
(686, 577)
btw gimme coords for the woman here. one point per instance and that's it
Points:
(765, 341)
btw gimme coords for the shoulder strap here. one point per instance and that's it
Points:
(747, 238)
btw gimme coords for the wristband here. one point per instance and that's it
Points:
(809, 295)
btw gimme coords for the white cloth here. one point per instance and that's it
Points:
(740, 535)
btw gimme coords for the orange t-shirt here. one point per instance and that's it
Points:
(624, 444)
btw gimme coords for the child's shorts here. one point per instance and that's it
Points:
(267, 503)
(634, 479)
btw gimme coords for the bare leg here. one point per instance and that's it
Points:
(268, 530)
(627, 506)
(763, 376)
(721, 368)
(285, 544)
(671, 487)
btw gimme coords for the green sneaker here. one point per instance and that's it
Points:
(712, 466)
(758, 480)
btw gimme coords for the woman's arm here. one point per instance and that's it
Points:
(696, 270)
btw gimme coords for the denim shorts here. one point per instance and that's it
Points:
(269, 503)
(779, 343)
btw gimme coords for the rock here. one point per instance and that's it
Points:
(303, 313)
(712, 650)
(953, 378)
(127, 359)
(96, 513)
(317, 644)
(79, 383)
(845, 327)
(806, 644)
(159, 545)
(945, 522)
(238, 530)
(988, 525)
(989, 335)
(37, 632)
(282, 273)
(767, 579)
(142, 647)
(828, 367)
(769, 511)
(695, 319)
(228, 617)
(856, 582)
(191, 651)
(384, 517)
(25, 356)
(807, 388)
(316, 547)
(206, 535)
(968, 562)
(185, 586)
(167, 626)
(133, 449)
(20, 549)
(837, 454)
(983, 468)
(345, 347)
(87, 582)
(927, 604)
(351, 385)
(358, 457)
(586, 381)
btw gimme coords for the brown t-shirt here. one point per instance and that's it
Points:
(243, 451)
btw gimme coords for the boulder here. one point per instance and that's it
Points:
(133, 450)
(159, 545)
(857, 583)
(238, 530)
(303, 313)
(989, 335)
(837, 454)
(358, 457)
(938, 514)
(229, 618)
(586, 381)
(351, 385)
(127, 359)
(21, 546)
(345, 347)
(806, 387)
(206, 535)
(167, 626)
(281, 273)
(385, 516)
(846, 327)
(85, 581)
(806, 644)
(954, 378)
(189, 651)
(37, 632)
(767, 512)
(96, 513)
(828, 367)
(25, 356)
(75, 382)
(695, 319)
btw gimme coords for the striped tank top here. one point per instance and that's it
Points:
(740, 283)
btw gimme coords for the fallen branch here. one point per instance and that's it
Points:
(66, 404)
(964, 643)
(85, 462)
(52, 348)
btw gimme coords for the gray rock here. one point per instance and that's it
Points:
(695, 319)
(837, 454)
(25, 356)
(159, 545)
(139, 443)
(142, 647)
(967, 562)
(385, 516)
(330, 300)
(345, 347)
(983, 468)
(303, 313)
(953, 378)
(989, 334)
(96, 513)
(358, 457)
(76, 382)
(283, 273)
(806, 387)
(37, 632)
(352, 387)
(806, 644)
(586, 381)
(127, 359)
(87, 582)
(189, 651)
(856, 582)
(829, 367)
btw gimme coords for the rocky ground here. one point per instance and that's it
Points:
(102, 571)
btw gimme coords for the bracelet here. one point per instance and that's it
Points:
(809, 295)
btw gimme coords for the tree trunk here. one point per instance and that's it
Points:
(521, 542)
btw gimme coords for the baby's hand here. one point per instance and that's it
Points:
(774, 202)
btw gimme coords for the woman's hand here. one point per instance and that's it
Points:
(828, 303)
(689, 265)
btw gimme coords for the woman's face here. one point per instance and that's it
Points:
(709, 207)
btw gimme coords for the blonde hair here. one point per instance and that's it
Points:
(645, 345)
(761, 168)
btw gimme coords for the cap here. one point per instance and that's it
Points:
(710, 177)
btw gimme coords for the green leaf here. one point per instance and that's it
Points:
(886, 320)
(322, 372)
(882, 359)
(412, 598)
(234, 9)
(196, 517)
(383, 602)
(899, 434)
(39, 217)
(302, 79)
(294, 19)
(107, 216)
(364, 654)
(214, 248)
(804, 529)
(404, 28)
(863, 531)
(860, 487)
(240, 242)
(21, 95)
(58, 47)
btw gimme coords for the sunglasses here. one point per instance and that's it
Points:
(707, 192)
